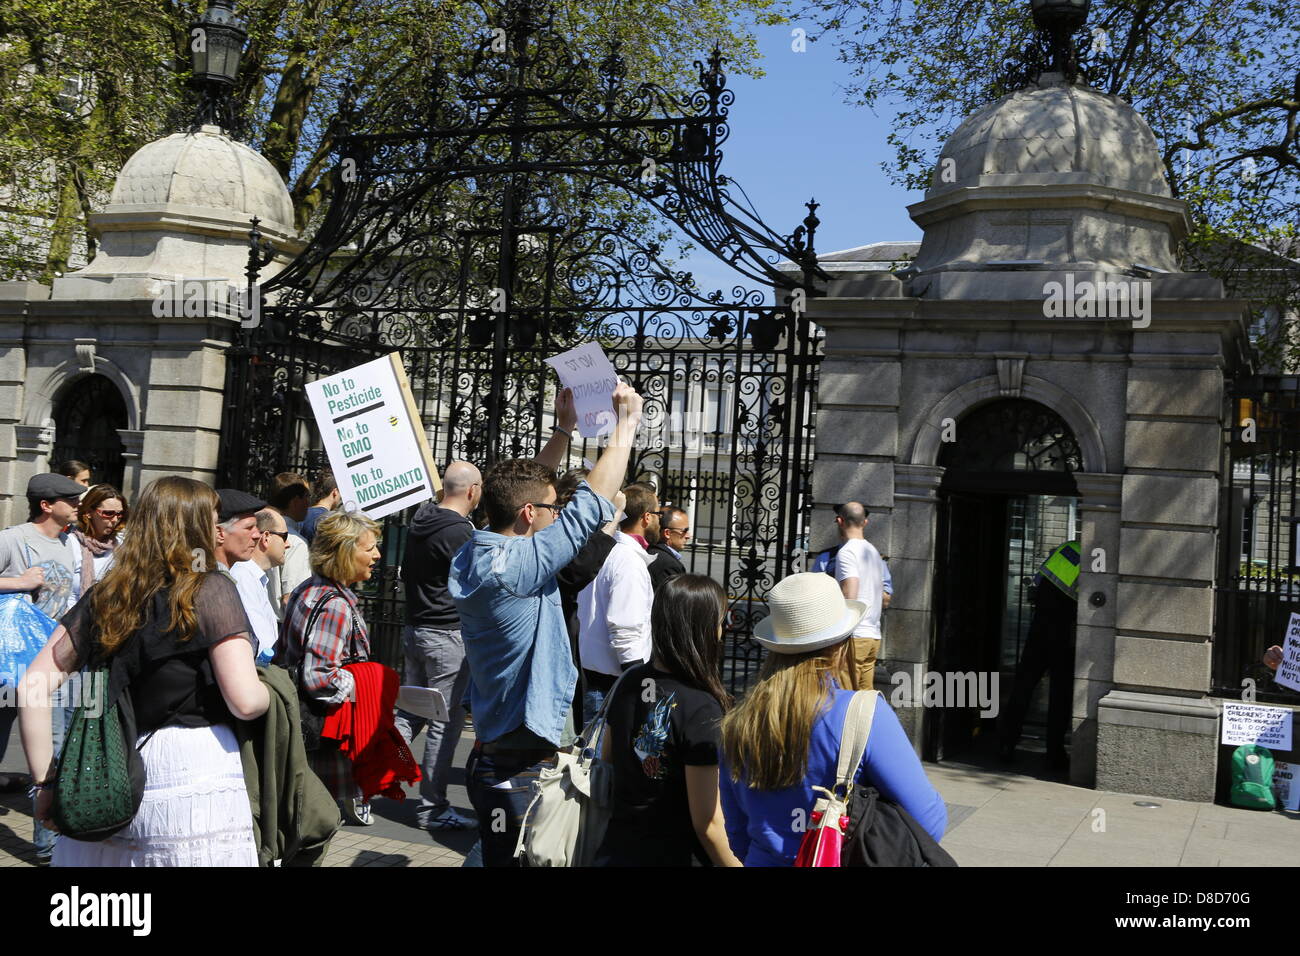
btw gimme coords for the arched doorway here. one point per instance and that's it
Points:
(1007, 498)
(88, 413)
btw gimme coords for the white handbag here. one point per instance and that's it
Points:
(571, 804)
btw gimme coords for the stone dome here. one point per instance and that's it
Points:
(182, 206)
(1054, 132)
(204, 170)
(1051, 177)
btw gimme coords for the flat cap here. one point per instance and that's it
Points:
(235, 502)
(49, 486)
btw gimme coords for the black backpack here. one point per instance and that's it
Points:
(881, 833)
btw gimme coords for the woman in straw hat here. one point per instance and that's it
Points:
(784, 739)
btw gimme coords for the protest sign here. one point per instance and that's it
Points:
(591, 375)
(1288, 672)
(1256, 724)
(374, 437)
(1285, 785)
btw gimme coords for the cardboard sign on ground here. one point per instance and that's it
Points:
(1256, 724)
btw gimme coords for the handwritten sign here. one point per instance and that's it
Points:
(374, 437)
(1288, 672)
(590, 374)
(1286, 786)
(1256, 724)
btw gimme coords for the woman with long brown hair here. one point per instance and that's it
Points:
(101, 516)
(662, 737)
(174, 636)
(784, 739)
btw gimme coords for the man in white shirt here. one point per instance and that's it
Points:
(614, 609)
(861, 575)
(252, 577)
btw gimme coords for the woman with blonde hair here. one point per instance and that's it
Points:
(323, 630)
(174, 636)
(101, 515)
(784, 739)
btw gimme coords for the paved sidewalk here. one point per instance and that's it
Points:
(1003, 819)
(995, 818)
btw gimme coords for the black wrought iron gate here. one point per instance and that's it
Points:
(1258, 578)
(526, 206)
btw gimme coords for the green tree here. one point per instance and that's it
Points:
(130, 61)
(1218, 80)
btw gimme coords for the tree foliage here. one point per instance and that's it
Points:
(1218, 81)
(130, 60)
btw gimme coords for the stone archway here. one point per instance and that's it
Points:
(89, 413)
(965, 399)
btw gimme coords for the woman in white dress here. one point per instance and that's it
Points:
(173, 635)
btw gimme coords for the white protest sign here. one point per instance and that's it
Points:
(1288, 672)
(591, 375)
(1256, 724)
(1285, 785)
(374, 437)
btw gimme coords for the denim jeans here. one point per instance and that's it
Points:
(435, 658)
(500, 788)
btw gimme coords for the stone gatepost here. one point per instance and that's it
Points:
(1158, 729)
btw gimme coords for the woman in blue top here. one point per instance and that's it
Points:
(784, 739)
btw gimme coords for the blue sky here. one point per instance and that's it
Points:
(793, 137)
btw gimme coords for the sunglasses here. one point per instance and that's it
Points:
(681, 531)
(108, 515)
(282, 535)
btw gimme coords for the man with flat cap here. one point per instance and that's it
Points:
(237, 538)
(38, 558)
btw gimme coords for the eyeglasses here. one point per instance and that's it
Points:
(684, 532)
(108, 515)
(541, 504)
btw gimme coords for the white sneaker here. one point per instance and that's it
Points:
(358, 812)
(449, 819)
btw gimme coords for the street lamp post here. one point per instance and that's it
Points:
(1059, 19)
(216, 45)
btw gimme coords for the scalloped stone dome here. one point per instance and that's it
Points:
(1058, 130)
(208, 171)
(1052, 176)
(182, 207)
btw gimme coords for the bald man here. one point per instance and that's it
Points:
(861, 574)
(435, 653)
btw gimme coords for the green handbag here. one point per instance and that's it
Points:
(100, 779)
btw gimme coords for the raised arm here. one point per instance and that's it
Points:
(566, 420)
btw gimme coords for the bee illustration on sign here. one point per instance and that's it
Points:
(392, 420)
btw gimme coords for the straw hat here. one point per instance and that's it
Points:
(808, 613)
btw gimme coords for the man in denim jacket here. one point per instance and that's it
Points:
(522, 673)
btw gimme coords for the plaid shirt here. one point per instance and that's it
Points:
(321, 653)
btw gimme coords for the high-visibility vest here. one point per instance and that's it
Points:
(1062, 569)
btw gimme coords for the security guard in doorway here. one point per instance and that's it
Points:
(1048, 647)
